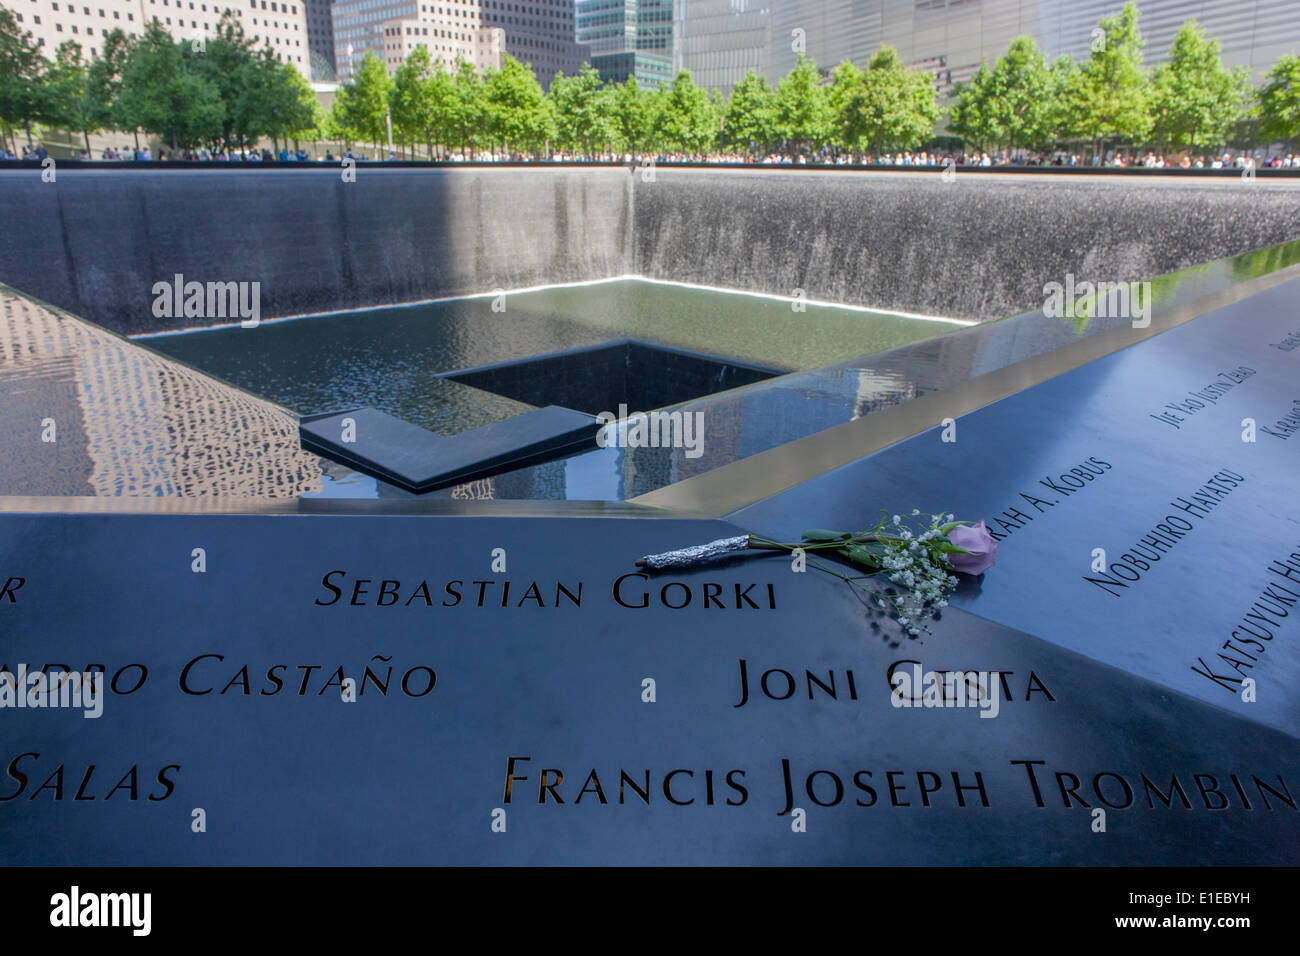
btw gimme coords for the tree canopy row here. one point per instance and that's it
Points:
(225, 94)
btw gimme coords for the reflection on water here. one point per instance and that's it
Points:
(390, 358)
(126, 422)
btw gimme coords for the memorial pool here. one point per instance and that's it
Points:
(393, 358)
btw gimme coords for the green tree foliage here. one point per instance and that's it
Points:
(442, 104)
(21, 70)
(1279, 102)
(160, 96)
(104, 78)
(970, 115)
(1010, 104)
(274, 101)
(686, 122)
(361, 107)
(635, 115)
(1195, 98)
(803, 114)
(584, 112)
(225, 61)
(227, 92)
(411, 98)
(468, 117)
(517, 112)
(1064, 112)
(749, 120)
(1113, 94)
(887, 106)
(69, 103)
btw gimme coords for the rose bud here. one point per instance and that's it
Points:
(976, 539)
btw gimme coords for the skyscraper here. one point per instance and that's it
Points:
(320, 37)
(539, 32)
(628, 38)
(720, 41)
(279, 26)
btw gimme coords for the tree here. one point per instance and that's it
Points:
(1113, 94)
(411, 98)
(68, 103)
(803, 115)
(158, 94)
(1279, 102)
(336, 121)
(517, 112)
(584, 111)
(1009, 105)
(899, 108)
(223, 62)
(300, 111)
(104, 78)
(275, 101)
(468, 108)
(21, 70)
(749, 119)
(972, 115)
(1064, 110)
(1022, 84)
(685, 123)
(1196, 99)
(635, 116)
(441, 91)
(363, 107)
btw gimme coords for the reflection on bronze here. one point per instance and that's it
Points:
(129, 422)
(733, 486)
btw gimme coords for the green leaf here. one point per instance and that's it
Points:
(947, 547)
(862, 555)
(944, 529)
(818, 534)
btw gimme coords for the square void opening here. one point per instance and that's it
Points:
(600, 378)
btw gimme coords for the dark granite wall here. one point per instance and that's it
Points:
(979, 247)
(599, 379)
(95, 241)
(982, 246)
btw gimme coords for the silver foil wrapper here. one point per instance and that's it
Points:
(685, 557)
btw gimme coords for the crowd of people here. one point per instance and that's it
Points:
(1113, 159)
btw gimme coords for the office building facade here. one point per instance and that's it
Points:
(719, 40)
(278, 25)
(539, 32)
(628, 38)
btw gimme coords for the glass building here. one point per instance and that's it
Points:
(721, 39)
(628, 38)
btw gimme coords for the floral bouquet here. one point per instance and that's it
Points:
(917, 561)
